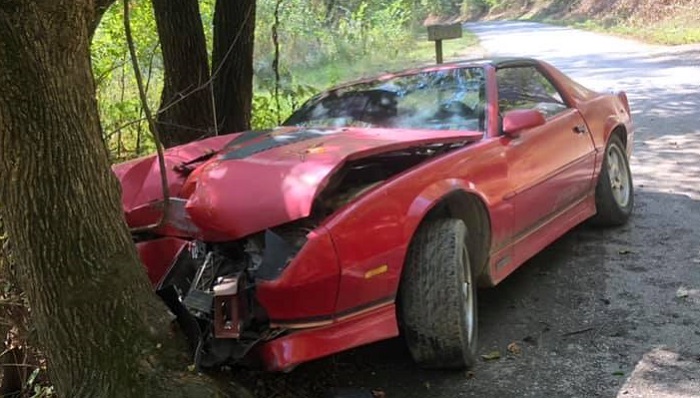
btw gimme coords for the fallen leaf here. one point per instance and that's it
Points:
(491, 356)
(514, 348)
(191, 368)
(625, 251)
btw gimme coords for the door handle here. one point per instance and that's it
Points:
(580, 129)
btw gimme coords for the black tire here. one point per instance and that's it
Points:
(437, 297)
(614, 207)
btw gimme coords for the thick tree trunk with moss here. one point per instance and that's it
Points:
(186, 104)
(232, 59)
(104, 331)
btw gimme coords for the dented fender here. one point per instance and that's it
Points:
(306, 290)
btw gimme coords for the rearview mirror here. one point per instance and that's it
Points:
(521, 119)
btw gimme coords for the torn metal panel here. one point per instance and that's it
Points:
(140, 178)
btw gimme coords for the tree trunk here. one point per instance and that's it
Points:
(186, 105)
(99, 9)
(104, 331)
(232, 59)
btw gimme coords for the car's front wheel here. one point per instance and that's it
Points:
(614, 194)
(437, 297)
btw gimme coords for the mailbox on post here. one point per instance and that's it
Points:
(438, 33)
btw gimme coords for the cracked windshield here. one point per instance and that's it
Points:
(451, 99)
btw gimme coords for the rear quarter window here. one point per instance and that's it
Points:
(527, 88)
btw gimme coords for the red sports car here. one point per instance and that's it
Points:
(377, 209)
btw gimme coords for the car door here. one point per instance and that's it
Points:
(550, 167)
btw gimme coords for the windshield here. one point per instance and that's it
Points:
(452, 99)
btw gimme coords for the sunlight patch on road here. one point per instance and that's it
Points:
(668, 164)
(662, 373)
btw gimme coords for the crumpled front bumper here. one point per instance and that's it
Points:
(300, 304)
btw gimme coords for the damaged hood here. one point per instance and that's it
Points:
(238, 184)
(261, 180)
(140, 178)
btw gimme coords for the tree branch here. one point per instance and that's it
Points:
(151, 121)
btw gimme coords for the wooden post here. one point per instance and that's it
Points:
(438, 33)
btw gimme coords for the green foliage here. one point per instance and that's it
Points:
(322, 42)
(312, 35)
(478, 7)
(663, 22)
(121, 114)
(442, 7)
(672, 32)
(270, 111)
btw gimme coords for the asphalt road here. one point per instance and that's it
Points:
(600, 313)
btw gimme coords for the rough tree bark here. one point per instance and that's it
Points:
(104, 331)
(185, 109)
(232, 59)
(14, 314)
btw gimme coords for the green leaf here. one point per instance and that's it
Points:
(491, 356)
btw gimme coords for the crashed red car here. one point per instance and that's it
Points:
(377, 209)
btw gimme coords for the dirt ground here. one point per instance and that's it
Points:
(600, 313)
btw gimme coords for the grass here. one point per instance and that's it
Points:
(673, 23)
(419, 51)
(677, 25)
(670, 32)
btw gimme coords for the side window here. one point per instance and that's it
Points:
(527, 88)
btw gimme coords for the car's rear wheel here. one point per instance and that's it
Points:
(437, 297)
(614, 194)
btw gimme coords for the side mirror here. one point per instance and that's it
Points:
(521, 119)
